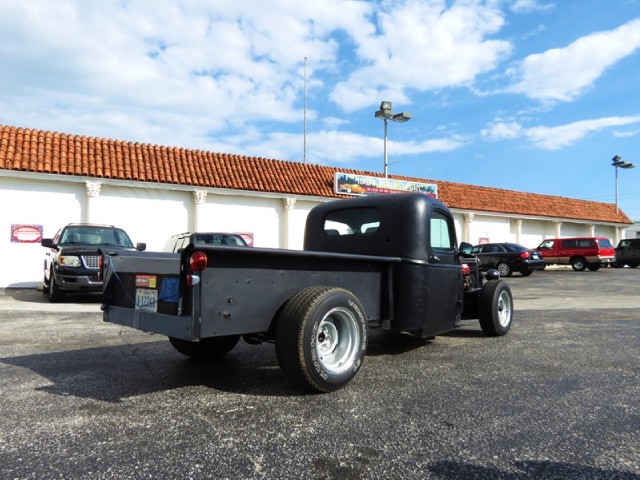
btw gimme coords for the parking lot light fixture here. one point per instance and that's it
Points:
(617, 163)
(387, 114)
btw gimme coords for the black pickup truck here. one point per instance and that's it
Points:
(389, 262)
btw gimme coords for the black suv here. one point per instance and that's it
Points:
(71, 263)
(627, 253)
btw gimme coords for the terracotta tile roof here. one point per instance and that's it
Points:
(40, 151)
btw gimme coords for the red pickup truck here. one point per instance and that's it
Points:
(580, 253)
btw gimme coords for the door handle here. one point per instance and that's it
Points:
(434, 259)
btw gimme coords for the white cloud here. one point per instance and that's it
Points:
(562, 74)
(555, 138)
(422, 46)
(528, 6)
(503, 130)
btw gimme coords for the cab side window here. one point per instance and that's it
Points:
(441, 237)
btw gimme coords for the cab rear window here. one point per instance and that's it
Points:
(352, 221)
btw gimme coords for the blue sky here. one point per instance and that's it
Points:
(529, 95)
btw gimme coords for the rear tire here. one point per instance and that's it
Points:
(578, 264)
(496, 308)
(594, 267)
(210, 348)
(526, 273)
(321, 338)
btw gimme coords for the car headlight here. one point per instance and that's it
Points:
(69, 260)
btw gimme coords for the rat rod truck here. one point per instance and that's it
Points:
(389, 262)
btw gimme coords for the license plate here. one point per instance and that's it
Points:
(534, 256)
(146, 300)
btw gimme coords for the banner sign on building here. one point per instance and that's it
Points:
(26, 233)
(352, 184)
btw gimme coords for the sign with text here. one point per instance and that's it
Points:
(352, 184)
(26, 233)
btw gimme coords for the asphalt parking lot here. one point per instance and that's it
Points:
(557, 398)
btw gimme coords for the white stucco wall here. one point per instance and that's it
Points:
(32, 203)
(151, 213)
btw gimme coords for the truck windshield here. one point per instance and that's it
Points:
(352, 221)
(82, 235)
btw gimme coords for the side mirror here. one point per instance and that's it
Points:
(141, 246)
(48, 242)
(465, 248)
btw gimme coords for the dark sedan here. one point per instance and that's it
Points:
(508, 258)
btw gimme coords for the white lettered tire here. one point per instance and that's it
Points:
(496, 308)
(321, 338)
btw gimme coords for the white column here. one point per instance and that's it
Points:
(558, 229)
(288, 204)
(518, 229)
(93, 191)
(592, 230)
(466, 234)
(199, 199)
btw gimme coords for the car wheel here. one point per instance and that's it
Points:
(496, 308)
(54, 293)
(321, 338)
(526, 273)
(632, 265)
(210, 348)
(504, 269)
(578, 264)
(594, 267)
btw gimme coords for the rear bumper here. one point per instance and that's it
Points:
(170, 325)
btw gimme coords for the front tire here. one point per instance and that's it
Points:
(321, 338)
(54, 293)
(504, 269)
(210, 348)
(496, 308)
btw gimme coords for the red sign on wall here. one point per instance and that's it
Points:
(26, 233)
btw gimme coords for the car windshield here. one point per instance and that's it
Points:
(604, 243)
(84, 235)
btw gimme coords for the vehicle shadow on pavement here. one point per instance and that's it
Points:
(113, 373)
(452, 470)
(33, 295)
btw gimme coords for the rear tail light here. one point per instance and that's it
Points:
(198, 261)
(192, 280)
(525, 255)
(466, 269)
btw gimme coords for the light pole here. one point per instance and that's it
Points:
(617, 163)
(386, 114)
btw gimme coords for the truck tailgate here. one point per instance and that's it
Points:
(142, 290)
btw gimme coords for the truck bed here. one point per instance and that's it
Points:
(239, 292)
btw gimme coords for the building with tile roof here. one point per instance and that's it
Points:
(50, 179)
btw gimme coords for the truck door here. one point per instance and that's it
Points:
(444, 278)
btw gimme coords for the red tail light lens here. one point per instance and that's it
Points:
(466, 269)
(198, 261)
(525, 255)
